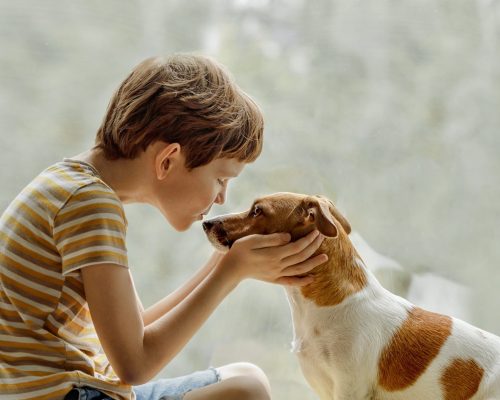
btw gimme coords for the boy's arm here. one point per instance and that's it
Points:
(160, 308)
(138, 299)
(138, 352)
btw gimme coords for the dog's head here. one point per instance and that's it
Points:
(294, 213)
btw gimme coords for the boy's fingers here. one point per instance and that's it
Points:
(295, 280)
(305, 266)
(299, 245)
(271, 240)
(304, 254)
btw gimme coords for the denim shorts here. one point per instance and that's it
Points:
(161, 389)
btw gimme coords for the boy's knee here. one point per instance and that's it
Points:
(252, 381)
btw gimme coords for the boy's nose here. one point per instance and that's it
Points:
(221, 197)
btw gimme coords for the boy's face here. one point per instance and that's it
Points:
(185, 196)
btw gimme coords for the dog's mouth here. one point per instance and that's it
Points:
(224, 240)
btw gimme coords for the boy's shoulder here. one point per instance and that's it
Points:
(63, 185)
(72, 175)
(70, 178)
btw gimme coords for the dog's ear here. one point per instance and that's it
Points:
(319, 214)
(336, 213)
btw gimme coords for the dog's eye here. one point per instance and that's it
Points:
(256, 211)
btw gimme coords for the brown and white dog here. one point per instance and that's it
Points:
(354, 339)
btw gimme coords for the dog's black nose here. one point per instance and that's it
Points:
(207, 225)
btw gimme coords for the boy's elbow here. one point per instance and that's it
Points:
(131, 370)
(135, 373)
(129, 376)
(139, 366)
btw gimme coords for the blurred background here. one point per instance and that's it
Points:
(389, 107)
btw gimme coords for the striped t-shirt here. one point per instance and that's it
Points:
(67, 218)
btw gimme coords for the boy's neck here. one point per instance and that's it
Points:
(127, 177)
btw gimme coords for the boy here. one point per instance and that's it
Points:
(72, 326)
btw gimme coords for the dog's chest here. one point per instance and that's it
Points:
(313, 340)
(317, 354)
(318, 341)
(321, 343)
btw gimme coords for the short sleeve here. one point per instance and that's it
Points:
(90, 229)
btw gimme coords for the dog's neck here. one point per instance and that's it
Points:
(340, 277)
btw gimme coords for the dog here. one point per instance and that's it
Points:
(354, 339)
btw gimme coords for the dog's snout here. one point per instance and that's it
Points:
(207, 225)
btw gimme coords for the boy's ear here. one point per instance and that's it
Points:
(167, 155)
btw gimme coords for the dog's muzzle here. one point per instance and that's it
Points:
(208, 225)
(214, 230)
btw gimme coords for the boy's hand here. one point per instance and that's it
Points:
(272, 258)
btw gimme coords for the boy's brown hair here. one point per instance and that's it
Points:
(187, 99)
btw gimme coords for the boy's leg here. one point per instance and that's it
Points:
(239, 381)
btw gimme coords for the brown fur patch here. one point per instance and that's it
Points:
(412, 348)
(338, 278)
(460, 379)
